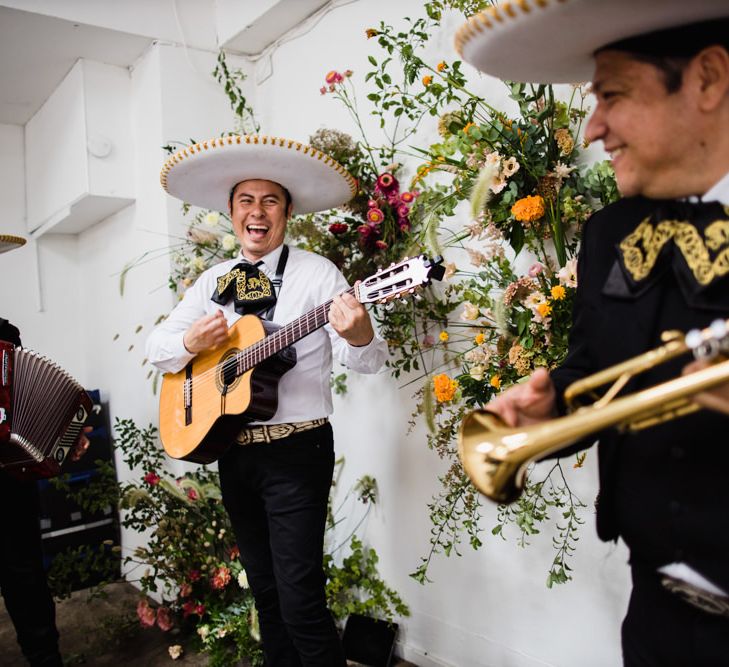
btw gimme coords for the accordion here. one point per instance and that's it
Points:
(42, 412)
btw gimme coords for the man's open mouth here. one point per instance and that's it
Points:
(257, 230)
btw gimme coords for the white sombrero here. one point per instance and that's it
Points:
(553, 41)
(204, 173)
(10, 242)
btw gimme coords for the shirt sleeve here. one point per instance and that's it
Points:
(165, 348)
(362, 359)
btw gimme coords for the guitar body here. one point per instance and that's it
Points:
(200, 428)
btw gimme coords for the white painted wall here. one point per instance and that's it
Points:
(489, 607)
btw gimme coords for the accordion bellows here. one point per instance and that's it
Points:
(42, 411)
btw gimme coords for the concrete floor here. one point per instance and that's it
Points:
(105, 632)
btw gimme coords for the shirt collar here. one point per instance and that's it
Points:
(719, 191)
(270, 261)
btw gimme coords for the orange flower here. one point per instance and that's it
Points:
(371, 32)
(479, 339)
(558, 292)
(443, 336)
(467, 127)
(544, 309)
(495, 382)
(444, 388)
(528, 209)
(441, 66)
(427, 80)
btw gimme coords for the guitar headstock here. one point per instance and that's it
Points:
(400, 280)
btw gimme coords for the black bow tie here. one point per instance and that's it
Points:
(250, 289)
(690, 239)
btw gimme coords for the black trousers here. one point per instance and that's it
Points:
(22, 578)
(661, 629)
(276, 495)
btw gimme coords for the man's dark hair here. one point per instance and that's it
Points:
(287, 194)
(670, 50)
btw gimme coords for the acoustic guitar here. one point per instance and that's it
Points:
(204, 406)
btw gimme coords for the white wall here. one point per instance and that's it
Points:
(489, 607)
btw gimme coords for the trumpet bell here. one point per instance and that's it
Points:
(484, 446)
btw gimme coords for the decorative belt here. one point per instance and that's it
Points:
(266, 433)
(697, 597)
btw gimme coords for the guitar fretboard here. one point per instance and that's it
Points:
(283, 337)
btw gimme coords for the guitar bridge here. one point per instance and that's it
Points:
(187, 395)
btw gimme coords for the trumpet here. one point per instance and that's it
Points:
(496, 457)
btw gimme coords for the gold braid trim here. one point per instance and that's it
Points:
(641, 248)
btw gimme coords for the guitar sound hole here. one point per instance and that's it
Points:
(227, 376)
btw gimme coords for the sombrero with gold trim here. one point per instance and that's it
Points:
(553, 41)
(204, 173)
(10, 242)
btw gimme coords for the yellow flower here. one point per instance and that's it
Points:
(467, 127)
(441, 66)
(371, 32)
(444, 388)
(544, 309)
(495, 382)
(479, 339)
(528, 209)
(558, 292)
(565, 141)
(443, 336)
(427, 80)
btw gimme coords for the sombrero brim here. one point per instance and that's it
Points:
(553, 41)
(204, 173)
(10, 242)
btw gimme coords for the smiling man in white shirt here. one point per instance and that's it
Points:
(276, 478)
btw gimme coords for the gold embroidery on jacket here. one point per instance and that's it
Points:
(246, 289)
(642, 246)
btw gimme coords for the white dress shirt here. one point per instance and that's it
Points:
(308, 281)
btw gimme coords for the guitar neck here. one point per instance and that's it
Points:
(285, 336)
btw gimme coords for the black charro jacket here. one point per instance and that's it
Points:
(664, 490)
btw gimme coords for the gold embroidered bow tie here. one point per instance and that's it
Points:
(248, 286)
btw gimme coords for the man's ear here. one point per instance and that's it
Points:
(711, 69)
(289, 212)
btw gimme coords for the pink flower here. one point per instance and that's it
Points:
(185, 590)
(407, 197)
(535, 269)
(163, 619)
(234, 553)
(347, 73)
(323, 90)
(191, 494)
(373, 203)
(221, 578)
(386, 183)
(428, 341)
(403, 211)
(145, 613)
(375, 215)
(200, 609)
(333, 77)
(381, 244)
(338, 227)
(188, 609)
(364, 230)
(152, 478)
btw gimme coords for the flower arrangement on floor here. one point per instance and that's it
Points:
(193, 585)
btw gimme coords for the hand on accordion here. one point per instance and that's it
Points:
(82, 444)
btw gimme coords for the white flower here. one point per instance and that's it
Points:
(562, 171)
(568, 273)
(203, 631)
(212, 218)
(198, 263)
(498, 185)
(222, 632)
(175, 651)
(478, 355)
(470, 312)
(510, 167)
(477, 258)
(243, 579)
(229, 242)
(477, 372)
(534, 300)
